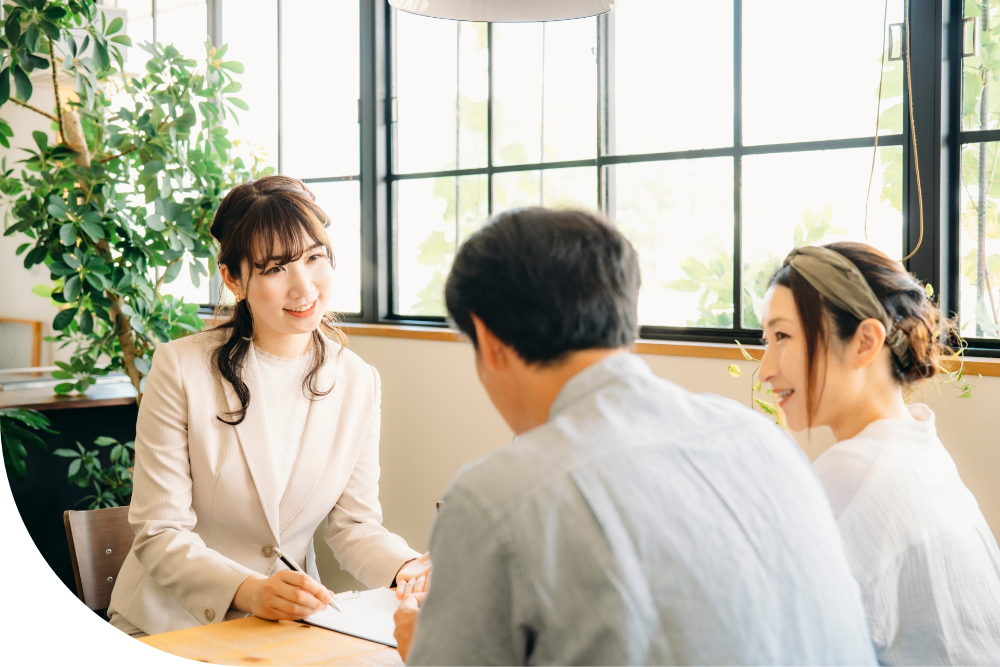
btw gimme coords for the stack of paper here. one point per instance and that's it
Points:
(368, 616)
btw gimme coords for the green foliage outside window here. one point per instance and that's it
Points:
(980, 181)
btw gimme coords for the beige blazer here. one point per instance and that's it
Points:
(205, 509)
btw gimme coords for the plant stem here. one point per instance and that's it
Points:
(34, 108)
(118, 155)
(123, 330)
(55, 88)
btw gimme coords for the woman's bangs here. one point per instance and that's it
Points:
(281, 237)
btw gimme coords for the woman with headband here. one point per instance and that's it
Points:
(847, 329)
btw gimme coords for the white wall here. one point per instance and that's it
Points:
(16, 299)
(436, 417)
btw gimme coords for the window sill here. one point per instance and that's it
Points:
(984, 366)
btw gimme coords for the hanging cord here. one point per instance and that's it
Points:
(913, 133)
(878, 114)
(913, 130)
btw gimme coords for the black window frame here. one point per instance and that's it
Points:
(934, 85)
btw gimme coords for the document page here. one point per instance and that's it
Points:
(368, 616)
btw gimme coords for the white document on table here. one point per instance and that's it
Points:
(368, 616)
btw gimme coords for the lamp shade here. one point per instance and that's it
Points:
(506, 11)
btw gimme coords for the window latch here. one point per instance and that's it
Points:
(896, 41)
(970, 36)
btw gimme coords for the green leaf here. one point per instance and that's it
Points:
(172, 272)
(67, 234)
(44, 291)
(104, 441)
(155, 222)
(143, 365)
(238, 103)
(32, 37)
(115, 25)
(22, 83)
(63, 318)
(86, 322)
(54, 13)
(101, 58)
(684, 285)
(232, 66)
(41, 140)
(746, 355)
(71, 261)
(74, 467)
(97, 280)
(67, 453)
(93, 230)
(5, 85)
(734, 370)
(122, 39)
(766, 407)
(71, 290)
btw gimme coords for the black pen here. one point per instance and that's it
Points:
(291, 565)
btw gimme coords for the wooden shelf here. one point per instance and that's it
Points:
(101, 395)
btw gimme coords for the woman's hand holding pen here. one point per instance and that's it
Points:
(285, 595)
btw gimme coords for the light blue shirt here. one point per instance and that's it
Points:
(641, 524)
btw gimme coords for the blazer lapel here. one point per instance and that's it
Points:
(254, 440)
(317, 439)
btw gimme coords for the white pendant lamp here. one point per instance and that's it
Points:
(506, 11)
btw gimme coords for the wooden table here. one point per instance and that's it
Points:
(253, 641)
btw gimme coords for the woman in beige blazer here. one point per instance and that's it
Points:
(250, 434)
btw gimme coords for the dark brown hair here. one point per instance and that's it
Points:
(254, 218)
(901, 294)
(547, 283)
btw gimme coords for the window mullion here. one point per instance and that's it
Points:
(737, 164)
(374, 191)
(489, 119)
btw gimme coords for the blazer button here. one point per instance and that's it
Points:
(267, 550)
(210, 615)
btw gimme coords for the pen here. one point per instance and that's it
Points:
(291, 565)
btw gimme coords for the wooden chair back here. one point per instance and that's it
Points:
(98, 540)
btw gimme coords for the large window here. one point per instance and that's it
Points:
(717, 135)
(979, 231)
(302, 83)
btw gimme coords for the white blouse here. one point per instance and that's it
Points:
(286, 407)
(918, 544)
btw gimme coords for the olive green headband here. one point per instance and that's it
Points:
(842, 284)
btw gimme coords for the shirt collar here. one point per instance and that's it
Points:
(922, 424)
(595, 376)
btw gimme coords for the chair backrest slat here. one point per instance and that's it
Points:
(99, 541)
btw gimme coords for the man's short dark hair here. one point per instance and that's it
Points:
(547, 283)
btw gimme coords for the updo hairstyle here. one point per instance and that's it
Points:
(901, 294)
